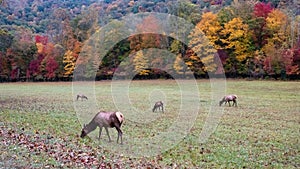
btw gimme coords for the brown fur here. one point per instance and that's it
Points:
(158, 105)
(81, 96)
(106, 120)
(228, 99)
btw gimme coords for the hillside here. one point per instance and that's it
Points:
(42, 39)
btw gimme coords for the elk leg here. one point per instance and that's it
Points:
(100, 131)
(162, 108)
(120, 133)
(107, 134)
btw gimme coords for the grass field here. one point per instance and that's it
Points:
(39, 127)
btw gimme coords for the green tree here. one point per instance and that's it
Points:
(86, 24)
(6, 40)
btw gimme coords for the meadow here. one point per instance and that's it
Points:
(40, 124)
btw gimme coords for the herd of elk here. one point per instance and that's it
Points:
(116, 119)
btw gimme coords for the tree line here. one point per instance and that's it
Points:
(252, 39)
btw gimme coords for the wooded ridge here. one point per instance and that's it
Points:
(41, 40)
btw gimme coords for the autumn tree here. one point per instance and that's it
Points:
(21, 52)
(277, 44)
(51, 67)
(179, 65)
(69, 60)
(34, 65)
(203, 55)
(277, 25)
(141, 64)
(236, 38)
(88, 62)
(70, 56)
(289, 57)
(49, 63)
(257, 24)
(149, 39)
(272, 61)
(211, 27)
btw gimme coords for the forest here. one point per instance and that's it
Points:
(40, 40)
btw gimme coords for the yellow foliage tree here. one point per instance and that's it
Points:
(211, 27)
(70, 58)
(141, 63)
(179, 65)
(203, 51)
(236, 38)
(69, 61)
(275, 20)
(277, 24)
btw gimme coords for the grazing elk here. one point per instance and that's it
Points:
(81, 96)
(105, 119)
(158, 105)
(228, 99)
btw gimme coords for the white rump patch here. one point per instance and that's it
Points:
(120, 116)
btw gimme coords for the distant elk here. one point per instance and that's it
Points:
(158, 105)
(81, 96)
(228, 99)
(105, 119)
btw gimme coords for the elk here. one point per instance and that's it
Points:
(158, 105)
(81, 96)
(228, 99)
(105, 119)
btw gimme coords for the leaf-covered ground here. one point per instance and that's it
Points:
(40, 129)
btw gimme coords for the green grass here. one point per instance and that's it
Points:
(262, 132)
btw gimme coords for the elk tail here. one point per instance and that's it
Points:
(120, 117)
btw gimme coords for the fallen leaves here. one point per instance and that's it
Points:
(57, 149)
(67, 152)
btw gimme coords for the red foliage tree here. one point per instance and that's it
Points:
(288, 60)
(262, 9)
(296, 60)
(258, 26)
(34, 66)
(41, 39)
(51, 67)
